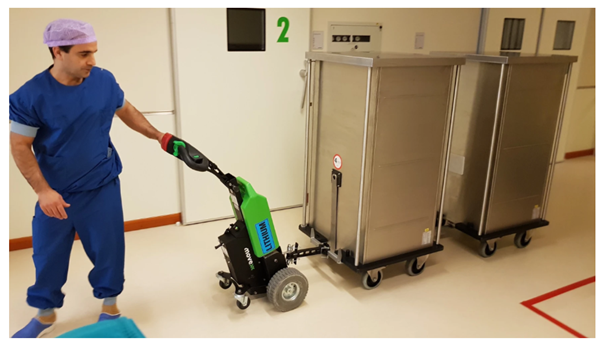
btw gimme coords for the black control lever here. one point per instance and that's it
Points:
(186, 152)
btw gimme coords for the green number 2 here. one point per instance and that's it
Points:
(286, 25)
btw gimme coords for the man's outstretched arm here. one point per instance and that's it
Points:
(138, 122)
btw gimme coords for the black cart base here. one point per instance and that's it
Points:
(487, 246)
(372, 272)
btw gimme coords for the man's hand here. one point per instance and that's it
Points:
(52, 204)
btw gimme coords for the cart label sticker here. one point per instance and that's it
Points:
(249, 257)
(265, 236)
(426, 237)
(337, 162)
(536, 212)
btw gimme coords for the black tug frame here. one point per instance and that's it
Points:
(235, 241)
(469, 229)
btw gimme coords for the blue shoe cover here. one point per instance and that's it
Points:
(105, 317)
(34, 329)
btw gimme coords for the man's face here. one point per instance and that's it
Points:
(80, 60)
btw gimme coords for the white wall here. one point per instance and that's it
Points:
(135, 45)
(588, 59)
(581, 17)
(582, 133)
(445, 29)
(582, 130)
(150, 179)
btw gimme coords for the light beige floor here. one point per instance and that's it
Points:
(575, 309)
(171, 290)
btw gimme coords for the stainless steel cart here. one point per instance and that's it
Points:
(509, 114)
(377, 154)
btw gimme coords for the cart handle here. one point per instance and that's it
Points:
(186, 152)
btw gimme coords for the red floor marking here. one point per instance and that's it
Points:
(530, 303)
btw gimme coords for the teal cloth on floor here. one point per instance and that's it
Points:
(117, 328)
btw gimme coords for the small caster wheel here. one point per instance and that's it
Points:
(485, 251)
(225, 284)
(412, 268)
(369, 283)
(521, 240)
(287, 289)
(241, 305)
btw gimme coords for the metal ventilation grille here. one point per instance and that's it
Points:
(512, 35)
(563, 37)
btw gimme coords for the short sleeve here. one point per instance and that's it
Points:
(23, 118)
(120, 95)
(117, 93)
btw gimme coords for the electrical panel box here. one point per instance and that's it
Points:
(361, 37)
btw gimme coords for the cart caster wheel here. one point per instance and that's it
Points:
(242, 306)
(444, 221)
(370, 284)
(521, 240)
(225, 284)
(412, 269)
(287, 289)
(485, 251)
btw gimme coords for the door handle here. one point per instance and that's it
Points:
(303, 74)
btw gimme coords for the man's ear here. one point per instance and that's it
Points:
(57, 52)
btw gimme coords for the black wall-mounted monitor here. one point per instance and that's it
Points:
(246, 29)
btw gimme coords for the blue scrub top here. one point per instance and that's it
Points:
(71, 126)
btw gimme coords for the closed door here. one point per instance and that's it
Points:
(241, 109)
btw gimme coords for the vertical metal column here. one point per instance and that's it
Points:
(492, 148)
(306, 129)
(563, 105)
(362, 169)
(483, 23)
(448, 149)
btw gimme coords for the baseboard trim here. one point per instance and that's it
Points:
(19, 243)
(151, 222)
(577, 154)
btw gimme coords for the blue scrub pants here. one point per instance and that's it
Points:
(97, 217)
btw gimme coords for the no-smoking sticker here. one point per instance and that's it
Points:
(337, 162)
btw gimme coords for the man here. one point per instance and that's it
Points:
(65, 113)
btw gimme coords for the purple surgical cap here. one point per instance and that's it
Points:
(63, 32)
